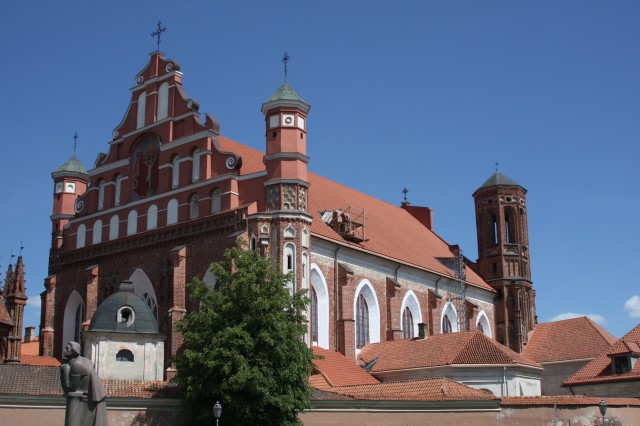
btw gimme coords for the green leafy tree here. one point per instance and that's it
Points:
(244, 346)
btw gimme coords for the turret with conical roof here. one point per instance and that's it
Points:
(503, 256)
(70, 181)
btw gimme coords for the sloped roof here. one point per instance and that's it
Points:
(5, 319)
(391, 231)
(499, 179)
(337, 370)
(45, 380)
(286, 95)
(437, 389)
(599, 370)
(470, 347)
(72, 165)
(575, 338)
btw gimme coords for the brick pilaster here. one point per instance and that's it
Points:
(178, 310)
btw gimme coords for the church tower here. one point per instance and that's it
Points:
(286, 219)
(16, 298)
(70, 180)
(503, 257)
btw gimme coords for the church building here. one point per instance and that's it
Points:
(171, 193)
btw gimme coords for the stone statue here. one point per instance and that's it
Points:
(83, 389)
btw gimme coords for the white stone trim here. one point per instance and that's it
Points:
(410, 300)
(317, 280)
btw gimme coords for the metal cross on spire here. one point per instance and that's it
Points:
(75, 143)
(285, 61)
(497, 167)
(158, 32)
(405, 191)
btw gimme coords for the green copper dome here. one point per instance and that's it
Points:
(72, 165)
(286, 95)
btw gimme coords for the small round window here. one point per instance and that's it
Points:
(126, 316)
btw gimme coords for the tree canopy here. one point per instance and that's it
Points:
(244, 346)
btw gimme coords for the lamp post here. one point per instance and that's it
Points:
(603, 409)
(217, 411)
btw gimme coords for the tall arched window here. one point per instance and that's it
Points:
(97, 232)
(482, 323)
(289, 265)
(142, 287)
(81, 236)
(362, 322)
(407, 324)
(152, 217)
(194, 206)
(446, 325)
(314, 316)
(163, 101)
(175, 172)
(78, 323)
(172, 212)
(101, 195)
(114, 227)
(493, 230)
(142, 109)
(449, 319)
(116, 200)
(195, 165)
(320, 290)
(73, 318)
(132, 222)
(510, 225)
(216, 204)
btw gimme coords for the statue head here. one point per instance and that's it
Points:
(72, 350)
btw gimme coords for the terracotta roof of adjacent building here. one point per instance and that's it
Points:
(570, 339)
(437, 389)
(337, 370)
(464, 348)
(45, 380)
(599, 370)
(391, 231)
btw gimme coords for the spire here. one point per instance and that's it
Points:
(72, 165)
(286, 96)
(16, 286)
(8, 279)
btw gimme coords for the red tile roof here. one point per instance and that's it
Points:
(391, 231)
(438, 389)
(31, 348)
(471, 347)
(567, 400)
(45, 380)
(39, 360)
(576, 338)
(337, 370)
(599, 370)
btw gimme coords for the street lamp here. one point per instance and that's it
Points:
(603, 409)
(217, 411)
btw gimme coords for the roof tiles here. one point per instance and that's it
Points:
(465, 348)
(571, 339)
(337, 370)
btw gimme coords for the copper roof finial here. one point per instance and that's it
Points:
(285, 61)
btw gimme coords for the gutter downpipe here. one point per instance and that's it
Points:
(335, 300)
(437, 281)
(396, 273)
(505, 388)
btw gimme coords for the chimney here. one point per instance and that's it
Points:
(422, 330)
(423, 214)
(29, 334)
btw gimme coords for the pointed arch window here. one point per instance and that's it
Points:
(509, 225)
(362, 322)
(493, 230)
(78, 323)
(407, 324)
(314, 316)
(446, 325)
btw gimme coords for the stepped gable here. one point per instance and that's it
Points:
(337, 370)
(391, 231)
(464, 348)
(437, 389)
(599, 370)
(571, 339)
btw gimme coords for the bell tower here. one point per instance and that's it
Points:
(503, 257)
(70, 181)
(286, 219)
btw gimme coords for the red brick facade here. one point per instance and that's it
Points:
(171, 194)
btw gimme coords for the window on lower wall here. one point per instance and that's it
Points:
(407, 324)
(124, 355)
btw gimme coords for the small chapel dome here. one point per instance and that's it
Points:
(72, 165)
(124, 312)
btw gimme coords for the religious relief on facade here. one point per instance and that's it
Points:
(145, 167)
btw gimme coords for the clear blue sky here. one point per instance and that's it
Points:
(422, 94)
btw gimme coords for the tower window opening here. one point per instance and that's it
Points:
(124, 355)
(446, 325)
(509, 226)
(494, 230)
(289, 262)
(495, 268)
(314, 316)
